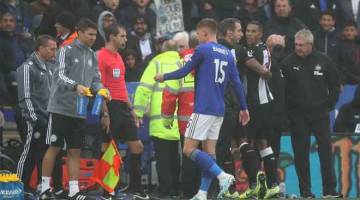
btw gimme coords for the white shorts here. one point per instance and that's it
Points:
(202, 127)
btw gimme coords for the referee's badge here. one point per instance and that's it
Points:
(116, 73)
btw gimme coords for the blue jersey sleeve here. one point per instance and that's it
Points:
(237, 85)
(196, 59)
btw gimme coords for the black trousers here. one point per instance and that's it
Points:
(303, 123)
(33, 153)
(190, 176)
(167, 165)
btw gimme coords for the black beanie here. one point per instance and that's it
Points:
(67, 20)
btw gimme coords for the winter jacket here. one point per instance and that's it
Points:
(75, 64)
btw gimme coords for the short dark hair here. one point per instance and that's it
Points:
(226, 25)
(86, 23)
(257, 23)
(208, 23)
(113, 29)
(327, 12)
(3, 14)
(42, 40)
(351, 23)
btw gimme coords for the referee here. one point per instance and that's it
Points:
(312, 88)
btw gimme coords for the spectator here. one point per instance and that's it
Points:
(21, 12)
(180, 94)
(140, 8)
(308, 11)
(140, 39)
(65, 27)
(119, 111)
(182, 40)
(105, 20)
(327, 37)
(215, 66)
(208, 10)
(76, 72)
(249, 12)
(79, 8)
(14, 50)
(166, 139)
(348, 120)
(134, 69)
(38, 8)
(347, 11)
(282, 23)
(349, 50)
(34, 77)
(112, 6)
(309, 98)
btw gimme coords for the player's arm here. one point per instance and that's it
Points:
(196, 59)
(255, 66)
(244, 116)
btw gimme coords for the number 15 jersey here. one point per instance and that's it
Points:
(214, 67)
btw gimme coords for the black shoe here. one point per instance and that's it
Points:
(307, 195)
(29, 196)
(332, 194)
(61, 194)
(47, 195)
(107, 196)
(140, 195)
(81, 196)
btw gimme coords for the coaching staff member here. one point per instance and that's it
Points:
(312, 89)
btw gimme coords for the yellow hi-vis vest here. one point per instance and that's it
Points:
(149, 92)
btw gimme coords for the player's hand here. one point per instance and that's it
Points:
(266, 74)
(82, 90)
(105, 122)
(138, 121)
(105, 93)
(159, 78)
(244, 117)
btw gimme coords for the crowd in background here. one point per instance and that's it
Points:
(336, 35)
(334, 24)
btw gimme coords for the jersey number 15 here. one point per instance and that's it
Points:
(219, 70)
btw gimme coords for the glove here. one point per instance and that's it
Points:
(87, 92)
(105, 93)
(168, 122)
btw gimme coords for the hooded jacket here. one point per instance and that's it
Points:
(75, 64)
(100, 39)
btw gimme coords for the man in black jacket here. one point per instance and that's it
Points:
(348, 119)
(283, 23)
(327, 36)
(14, 50)
(312, 89)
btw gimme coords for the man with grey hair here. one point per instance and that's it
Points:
(148, 96)
(312, 87)
(182, 39)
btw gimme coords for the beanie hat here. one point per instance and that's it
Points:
(67, 20)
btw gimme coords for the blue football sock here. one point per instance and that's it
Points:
(206, 162)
